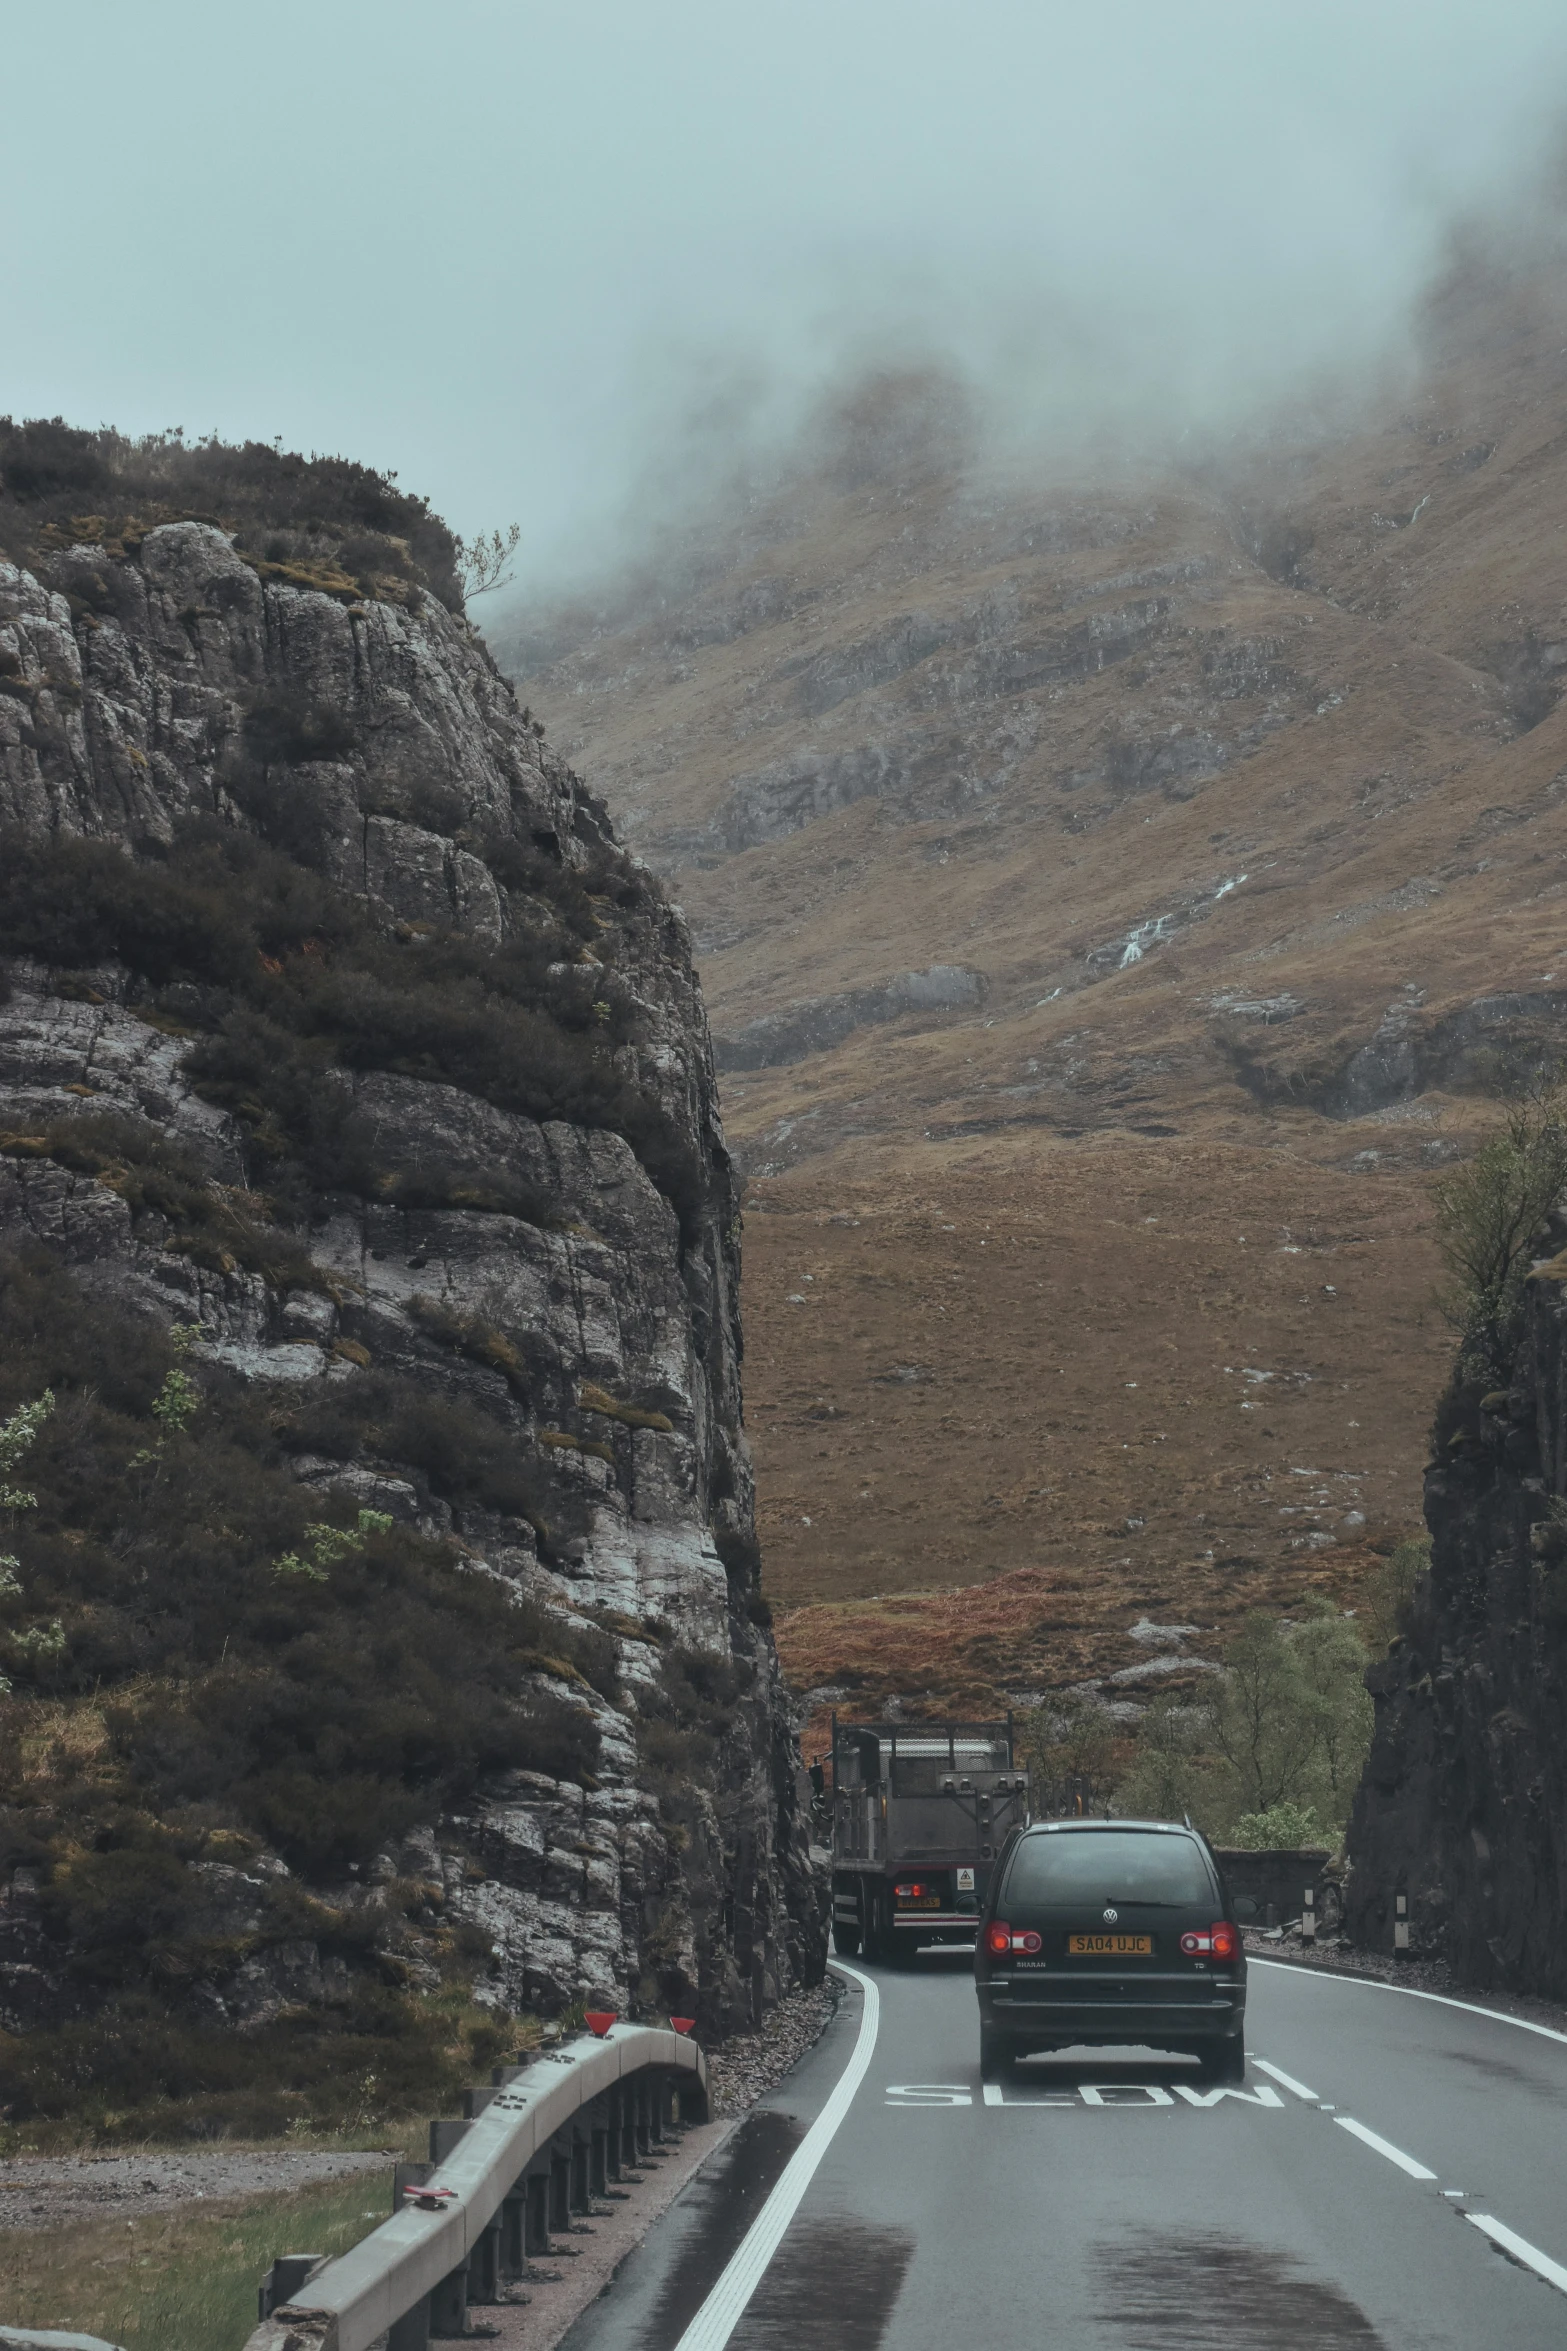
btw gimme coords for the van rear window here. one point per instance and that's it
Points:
(1107, 1865)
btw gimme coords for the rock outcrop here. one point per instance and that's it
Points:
(781, 1037)
(1463, 1807)
(572, 1279)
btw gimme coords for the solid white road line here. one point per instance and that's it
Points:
(1416, 2171)
(720, 2314)
(1521, 2250)
(1288, 2080)
(1371, 1983)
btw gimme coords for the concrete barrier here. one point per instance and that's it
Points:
(548, 2138)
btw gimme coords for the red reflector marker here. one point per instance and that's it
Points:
(682, 2024)
(600, 2020)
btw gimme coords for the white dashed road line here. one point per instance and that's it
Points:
(1521, 2250)
(1506, 2240)
(1416, 2171)
(1288, 2080)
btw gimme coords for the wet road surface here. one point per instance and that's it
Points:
(1392, 2175)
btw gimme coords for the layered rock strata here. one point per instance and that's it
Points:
(143, 692)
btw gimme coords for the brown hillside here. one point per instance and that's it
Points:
(1224, 814)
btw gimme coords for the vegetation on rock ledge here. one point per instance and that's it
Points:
(199, 1709)
(282, 979)
(317, 522)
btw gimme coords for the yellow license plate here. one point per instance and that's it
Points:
(919, 1901)
(1110, 1946)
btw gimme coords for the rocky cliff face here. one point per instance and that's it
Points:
(481, 1190)
(1463, 1809)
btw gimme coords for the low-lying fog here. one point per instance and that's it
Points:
(575, 263)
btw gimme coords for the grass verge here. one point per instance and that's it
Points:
(183, 2280)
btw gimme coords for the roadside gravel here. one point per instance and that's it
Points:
(47, 2191)
(751, 2064)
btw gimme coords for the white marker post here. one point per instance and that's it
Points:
(1308, 1915)
(1401, 1922)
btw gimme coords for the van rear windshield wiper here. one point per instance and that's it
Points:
(1140, 1901)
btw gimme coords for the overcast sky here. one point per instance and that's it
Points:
(511, 250)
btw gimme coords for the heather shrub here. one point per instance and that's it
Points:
(682, 1721)
(289, 728)
(322, 521)
(468, 1457)
(322, 1716)
(282, 980)
(154, 1176)
(136, 2070)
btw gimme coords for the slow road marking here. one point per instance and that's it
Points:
(1112, 2097)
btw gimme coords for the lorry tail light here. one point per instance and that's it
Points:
(1221, 1940)
(910, 1893)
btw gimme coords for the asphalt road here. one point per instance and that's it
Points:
(1113, 2201)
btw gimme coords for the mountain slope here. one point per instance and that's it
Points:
(1036, 837)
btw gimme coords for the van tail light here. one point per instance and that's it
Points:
(1220, 1941)
(1001, 1940)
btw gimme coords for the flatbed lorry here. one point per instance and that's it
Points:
(920, 1813)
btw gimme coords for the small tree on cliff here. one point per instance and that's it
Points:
(1487, 1214)
(482, 561)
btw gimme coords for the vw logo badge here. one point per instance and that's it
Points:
(1111, 1916)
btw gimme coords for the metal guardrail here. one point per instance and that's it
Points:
(550, 2136)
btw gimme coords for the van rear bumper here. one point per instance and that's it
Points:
(1064, 2019)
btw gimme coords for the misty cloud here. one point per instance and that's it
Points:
(562, 261)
